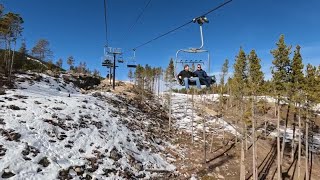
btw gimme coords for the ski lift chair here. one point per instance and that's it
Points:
(132, 62)
(200, 20)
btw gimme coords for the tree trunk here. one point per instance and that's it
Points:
(236, 140)
(223, 131)
(246, 136)
(275, 109)
(5, 57)
(192, 118)
(299, 146)
(254, 163)
(220, 100)
(9, 58)
(170, 107)
(11, 63)
(294, 133)
(158, 87)
(265, 118)
(204, 141)
(307, 147)
(285, 133)
(242, 165)
(279, 170)
(230, 99)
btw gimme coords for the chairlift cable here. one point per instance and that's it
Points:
(138, 18)
(164, 34)
(216, 8)
(106, 21)
(181, 26)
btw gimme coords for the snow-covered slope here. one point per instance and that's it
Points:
(182, 113)
(48, 130)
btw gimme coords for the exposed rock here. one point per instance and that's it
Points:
(57, 108)
(30, 150)
(50, 73)
(2, 151)
(7, 174)
(2, 121)
(219, 176)
(26, 158)
(37, 102)
(79, 170)
(108, 171)
(21, 96)
(81, 151)
(13, 107)
(64, 174)
(44, 162)
(10, 135)
(88, 177)
(39, 170)
(115, 155)
(127, 174)
(2, 91)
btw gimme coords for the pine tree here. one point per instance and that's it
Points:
(41, 50)
(255, 74)
(297, 83)
(84, 68)
(240, 75)
(312, 98)
(23, 48)
(59, 63)
(224, 73)
(318, 79)
(50, 65)
(169, 73)
(255, 80)
(297, 75)
(130, 75)
(96, 73)
(139, 74)
(10, 30)
(280, 72)
(148, 77)
(240, 83)
(70, 62)
(169, 78)
(158, 77)
(230, 88)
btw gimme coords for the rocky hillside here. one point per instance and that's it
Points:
(49, 130)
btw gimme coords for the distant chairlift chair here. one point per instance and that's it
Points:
(132, 62)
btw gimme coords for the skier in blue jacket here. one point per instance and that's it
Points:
(202, 75)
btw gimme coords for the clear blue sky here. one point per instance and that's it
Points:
(76, 27)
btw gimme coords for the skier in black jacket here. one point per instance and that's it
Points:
(188, 76)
